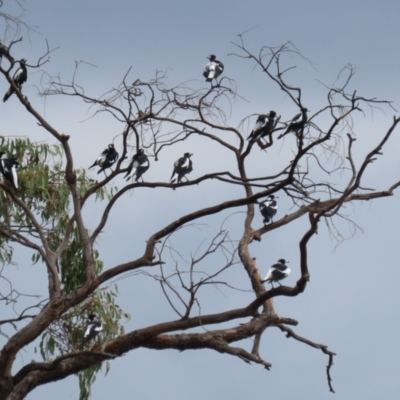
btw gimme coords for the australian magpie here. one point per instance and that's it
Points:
(138, 166)
(258, 126)
(213, 69)
(20, 77)
(8, 168)
(93, 328)
(296, 124)
(268, 208)
(106, 159)
(263, 126)
(277, 272)
(182, 166)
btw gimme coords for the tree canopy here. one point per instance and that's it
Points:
(189, 251)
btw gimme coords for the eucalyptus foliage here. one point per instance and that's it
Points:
(44, 190)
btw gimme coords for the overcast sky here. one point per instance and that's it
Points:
(351, 303)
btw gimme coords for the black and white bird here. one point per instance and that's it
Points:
(138, 166)
(8, 168)
(93, 328)
(213, 69)
(182, 166)
(296, 124)
(106, 159)
(277, 272)
(19, 78)
(268, 208)
(4, 52)
(263, 126)
(258, 126)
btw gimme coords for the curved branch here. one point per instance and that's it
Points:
(290, 333)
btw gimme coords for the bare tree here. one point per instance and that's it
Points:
(44, 215)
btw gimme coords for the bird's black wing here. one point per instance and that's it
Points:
(206, 70)
(21, 75)
(219, 68)
(100, 159)
(266, 130)
(176, 167)
(279, 267)
(297, 117)
(142, 168)
(113, 157)
(190, 166)
(277, 275)
(131, 165)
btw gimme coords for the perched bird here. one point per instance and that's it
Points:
(277, 272)
(8, 168)
(263, 126)
(106, 159)
(4, 52)
(296, 124)
(258, 126)
(213, 69)
(93, 328)
(20, 77)
(268, 208)
(182, 166)
(138, 166)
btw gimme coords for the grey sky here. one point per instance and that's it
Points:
(351, 303)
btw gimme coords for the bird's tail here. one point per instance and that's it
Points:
(8, 94)
(285, 132)
(174, 177)
(252, 136)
